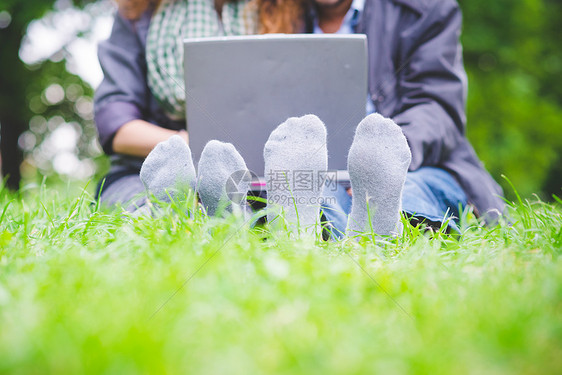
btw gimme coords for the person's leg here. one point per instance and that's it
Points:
(378, 162)
(336, 205)
(223, 179)
(430, 195)
(168, 169)
(296, 160)
(124, 190)
(433, 196)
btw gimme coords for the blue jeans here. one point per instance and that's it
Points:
(430, 194)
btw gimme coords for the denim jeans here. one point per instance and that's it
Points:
(430, 194)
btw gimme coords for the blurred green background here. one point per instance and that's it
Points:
(512, 57)
(514, 63)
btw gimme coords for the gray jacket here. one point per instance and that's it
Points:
(416, 77)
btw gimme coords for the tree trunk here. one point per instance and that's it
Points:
(14, 110)
(11, 153)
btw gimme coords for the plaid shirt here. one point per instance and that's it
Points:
(177, 20)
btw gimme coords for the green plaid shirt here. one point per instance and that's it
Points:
(177, 20)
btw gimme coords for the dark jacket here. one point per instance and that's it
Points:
(416, 77)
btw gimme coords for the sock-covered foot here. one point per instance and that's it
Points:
(168, 169)
(223, 178)
(296, 160)
(378, 162)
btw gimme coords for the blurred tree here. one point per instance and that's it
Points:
(17, 80)
(514, 64)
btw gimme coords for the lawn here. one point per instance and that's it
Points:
(83, 290)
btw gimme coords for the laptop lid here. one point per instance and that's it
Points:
(238, 89)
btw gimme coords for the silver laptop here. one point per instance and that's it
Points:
(238, 89)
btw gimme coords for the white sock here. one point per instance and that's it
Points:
(168, 169)
(296, 160)
(378, 162)
(223, 178)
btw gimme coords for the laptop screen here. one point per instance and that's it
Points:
(238, 89)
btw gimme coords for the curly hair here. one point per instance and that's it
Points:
(133, 9)
(281, 16)
(275, 16)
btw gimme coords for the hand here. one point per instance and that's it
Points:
(185, 136)
(138, 137)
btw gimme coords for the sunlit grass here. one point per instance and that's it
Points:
(84, 290)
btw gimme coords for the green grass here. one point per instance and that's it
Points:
(87, 291)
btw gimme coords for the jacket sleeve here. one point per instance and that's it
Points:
(122, 95)
(432, 86)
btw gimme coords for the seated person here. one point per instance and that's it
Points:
(140, 100)
(417, 78)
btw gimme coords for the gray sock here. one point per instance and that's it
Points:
(168, 169)
(296, 160)
(223, 179)
(378, 162)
